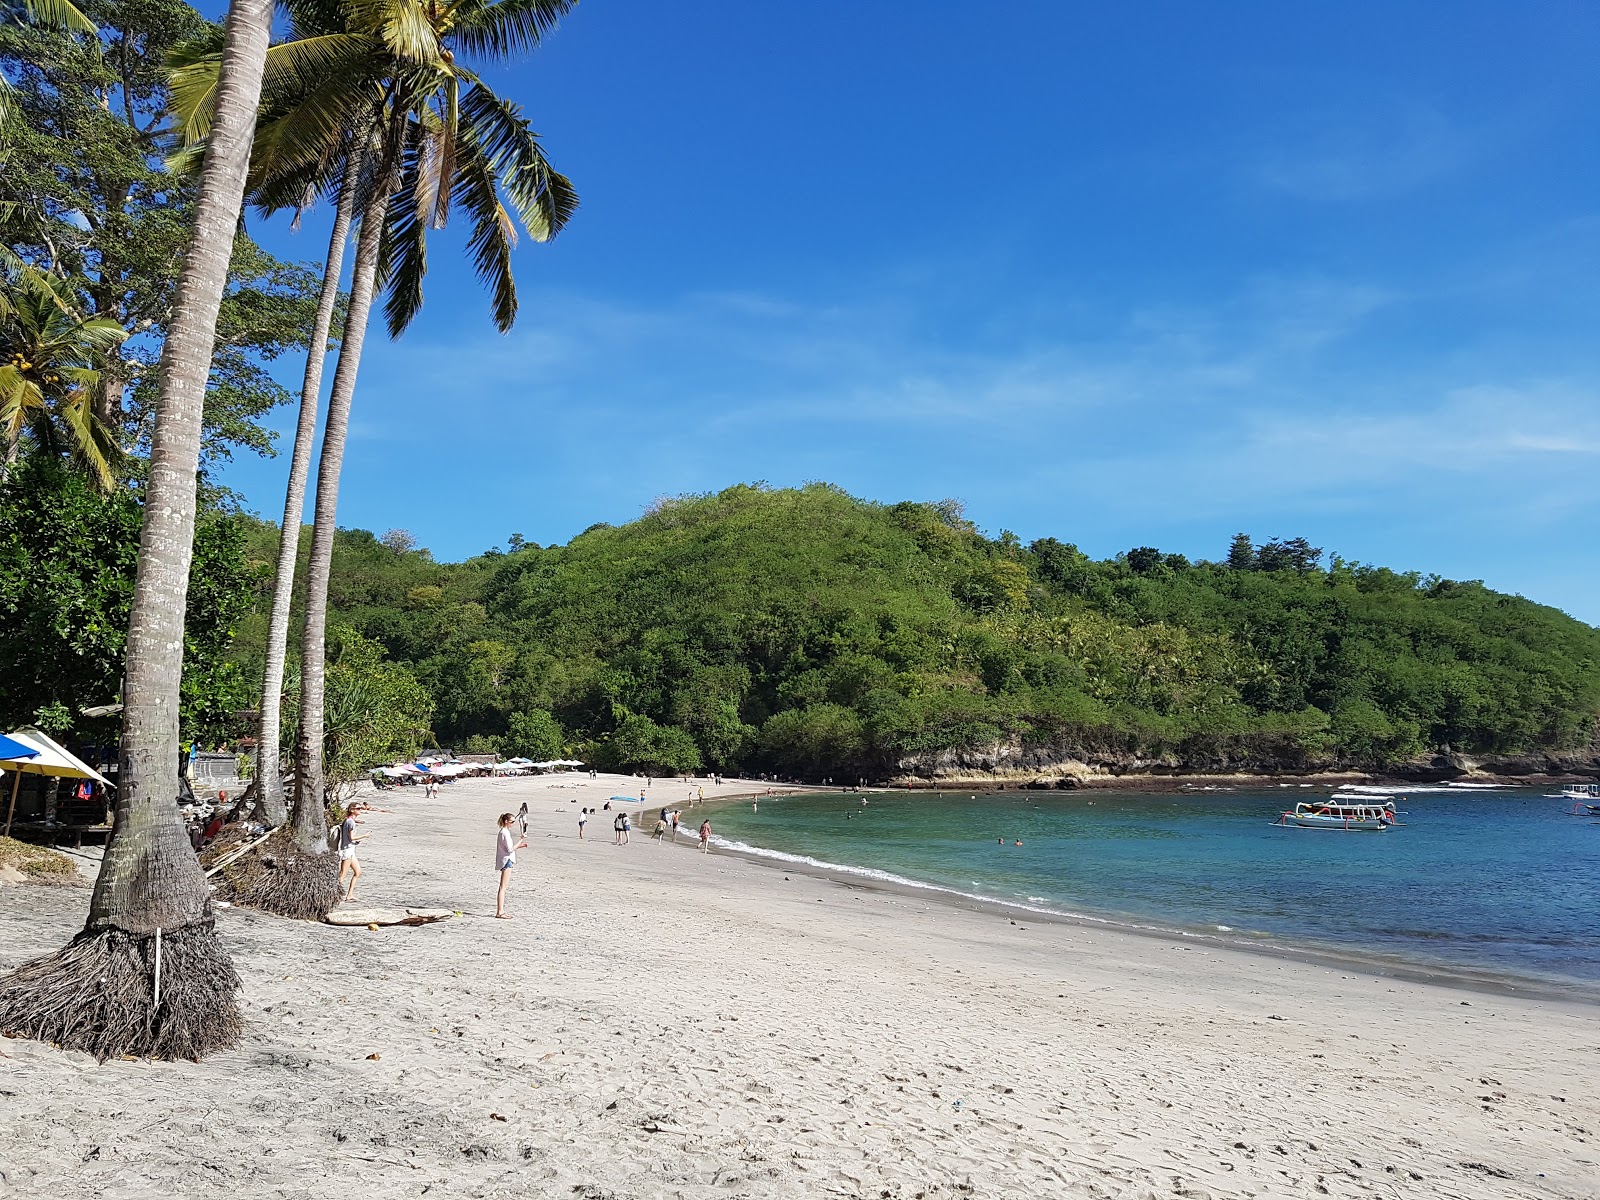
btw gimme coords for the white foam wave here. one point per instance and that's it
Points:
(904, 881)
(1412, 789)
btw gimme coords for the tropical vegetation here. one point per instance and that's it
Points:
(809, 633)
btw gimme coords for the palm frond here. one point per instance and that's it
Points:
(194, 69)
(494, 234)
(543, 197)
(402, 25)
(313, 131)
(446, 168)
(58, 14)
(94, 450)
(99, 335)
(501, 29)
(309, 18)
(404, 255)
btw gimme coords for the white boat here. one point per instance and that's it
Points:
(1583, 795)
(1341, 815)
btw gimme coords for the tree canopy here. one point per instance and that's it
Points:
(85, 196)
(808, 632)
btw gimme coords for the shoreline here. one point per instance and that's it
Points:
(1271, 946)
(1482, 981)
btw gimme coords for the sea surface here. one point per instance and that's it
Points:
(1503, 881)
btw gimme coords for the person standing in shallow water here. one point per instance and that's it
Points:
(505, 857)
(705, 835)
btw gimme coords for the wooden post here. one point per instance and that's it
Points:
(12, 811)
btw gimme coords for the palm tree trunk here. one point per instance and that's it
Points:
(151, 905)
(269, 774)
(309, 820)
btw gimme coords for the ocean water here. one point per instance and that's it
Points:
(1503, 880)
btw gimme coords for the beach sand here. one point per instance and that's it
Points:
(658, 1023)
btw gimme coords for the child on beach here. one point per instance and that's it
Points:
(505, 857)
(705, 835)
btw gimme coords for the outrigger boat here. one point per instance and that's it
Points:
(1336, 814)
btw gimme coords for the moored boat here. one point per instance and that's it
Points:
(1337, 814)
(1584, 796)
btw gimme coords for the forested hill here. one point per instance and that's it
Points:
(810, 633)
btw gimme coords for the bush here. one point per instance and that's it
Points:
(813, 740)
(639, 744)
(536, 735)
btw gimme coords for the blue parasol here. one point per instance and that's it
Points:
(11, 750)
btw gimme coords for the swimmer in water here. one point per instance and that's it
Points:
(1019, 841)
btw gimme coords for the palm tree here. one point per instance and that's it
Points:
(369, 98)
(50, 359)
(148, 974)
(445, 137)
(268, 772)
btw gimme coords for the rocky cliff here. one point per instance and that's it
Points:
(1110, 764)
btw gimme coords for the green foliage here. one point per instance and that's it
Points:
(67, 557)
(640, 744)
(86, 198)
(536, 735)
(803, 631)
(376, 709)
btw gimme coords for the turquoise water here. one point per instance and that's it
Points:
(1500, 879)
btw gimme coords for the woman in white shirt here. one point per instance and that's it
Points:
(505, 857)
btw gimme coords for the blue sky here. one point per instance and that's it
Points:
(1133, 274)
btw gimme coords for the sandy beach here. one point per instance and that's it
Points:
(659, 1023)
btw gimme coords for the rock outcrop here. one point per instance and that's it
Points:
(1107, 763)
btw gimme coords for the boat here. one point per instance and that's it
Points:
(1583, 795)
(1338, 814)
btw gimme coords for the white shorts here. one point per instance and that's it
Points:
(348, 854)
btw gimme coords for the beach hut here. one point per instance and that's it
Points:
(47, 757)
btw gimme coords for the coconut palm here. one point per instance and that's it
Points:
(50, 359)
(151, 905)
(370, 94)
(269, 773)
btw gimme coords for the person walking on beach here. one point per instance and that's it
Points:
(348, 837)
(660, 834)
(627, 825)
(522, 818)
(583, 819)
(616, 830)
(505, 857)
(676, 815)
(705, 835)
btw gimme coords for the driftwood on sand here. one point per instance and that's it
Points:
(387, 916)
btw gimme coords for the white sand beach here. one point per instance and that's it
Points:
(658, 1023)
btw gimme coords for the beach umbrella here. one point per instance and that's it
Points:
(11, 749)
(47, 758)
